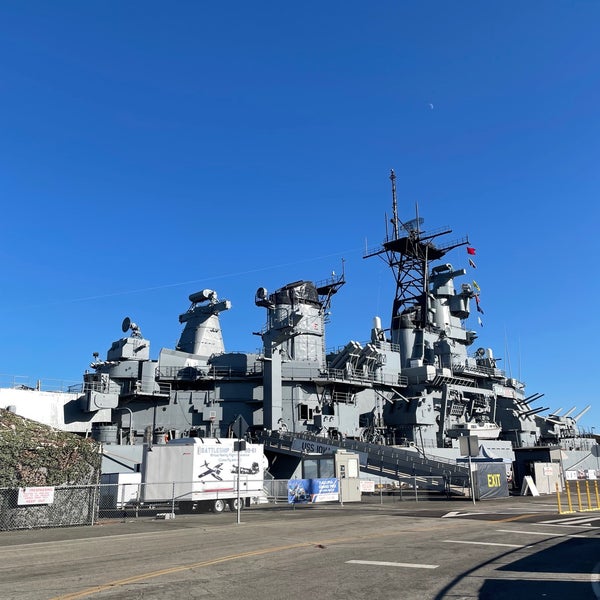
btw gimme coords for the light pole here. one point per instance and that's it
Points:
(596, 451)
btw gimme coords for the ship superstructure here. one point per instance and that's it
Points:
(420, 382)
(417, 382)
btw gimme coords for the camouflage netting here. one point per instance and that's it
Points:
(35, 455)
(32, 454)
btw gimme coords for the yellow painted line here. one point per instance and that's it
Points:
(207, 563)
(107, 586)
(513, 518)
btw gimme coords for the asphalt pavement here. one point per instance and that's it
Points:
(511, 548)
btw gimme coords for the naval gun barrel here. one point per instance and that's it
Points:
(529, 399)
(578, 416)
(533, 411)
(534, 397)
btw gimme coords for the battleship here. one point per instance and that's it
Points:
(417, 385)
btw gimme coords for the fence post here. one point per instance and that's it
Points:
(94, 495)
(173, 500)
(416, 492)
(137, 500)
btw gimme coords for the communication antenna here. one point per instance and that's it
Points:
(126, 324)
(394, 204)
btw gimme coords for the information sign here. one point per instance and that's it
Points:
(35, 495)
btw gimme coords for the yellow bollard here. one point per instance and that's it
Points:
(579, 496)
(560, 512)
(587, 492)
(568, 487)
(597, 496)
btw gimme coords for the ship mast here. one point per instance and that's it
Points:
(408, 254)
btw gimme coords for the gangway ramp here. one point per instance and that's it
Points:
(386, 461)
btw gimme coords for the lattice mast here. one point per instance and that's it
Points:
(409, 251)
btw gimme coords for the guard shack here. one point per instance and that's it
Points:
(342, 466)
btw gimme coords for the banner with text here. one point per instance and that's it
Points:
(308, 491)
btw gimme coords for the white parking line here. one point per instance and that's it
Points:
(486, 543)
(391, 564)
(580, 520)
(584, 527)
(585, 537)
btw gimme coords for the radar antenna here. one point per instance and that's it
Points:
(127, 324)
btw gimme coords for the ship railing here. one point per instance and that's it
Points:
(104, 387)
(346, 398)
(453, 244)
(365, 377)
(24, 382)
(332, 281)
(343, 397)
(290, 372)
(393, 461)
(374, 250)
(380, 345)
(210, 372)
(424, 235)
(488, 371)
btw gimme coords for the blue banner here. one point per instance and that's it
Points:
(307, 491)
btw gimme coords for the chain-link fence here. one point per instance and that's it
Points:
(120, 500)
(28, 508)
(415, 489)
(63, 506)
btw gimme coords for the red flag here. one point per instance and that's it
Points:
(471, 250)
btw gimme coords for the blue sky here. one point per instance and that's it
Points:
(152, 149)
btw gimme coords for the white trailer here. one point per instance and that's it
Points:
(202, 473)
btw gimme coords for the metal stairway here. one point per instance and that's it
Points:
(385, 461)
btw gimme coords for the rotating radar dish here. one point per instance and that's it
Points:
(126, 324)
(413, 224)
